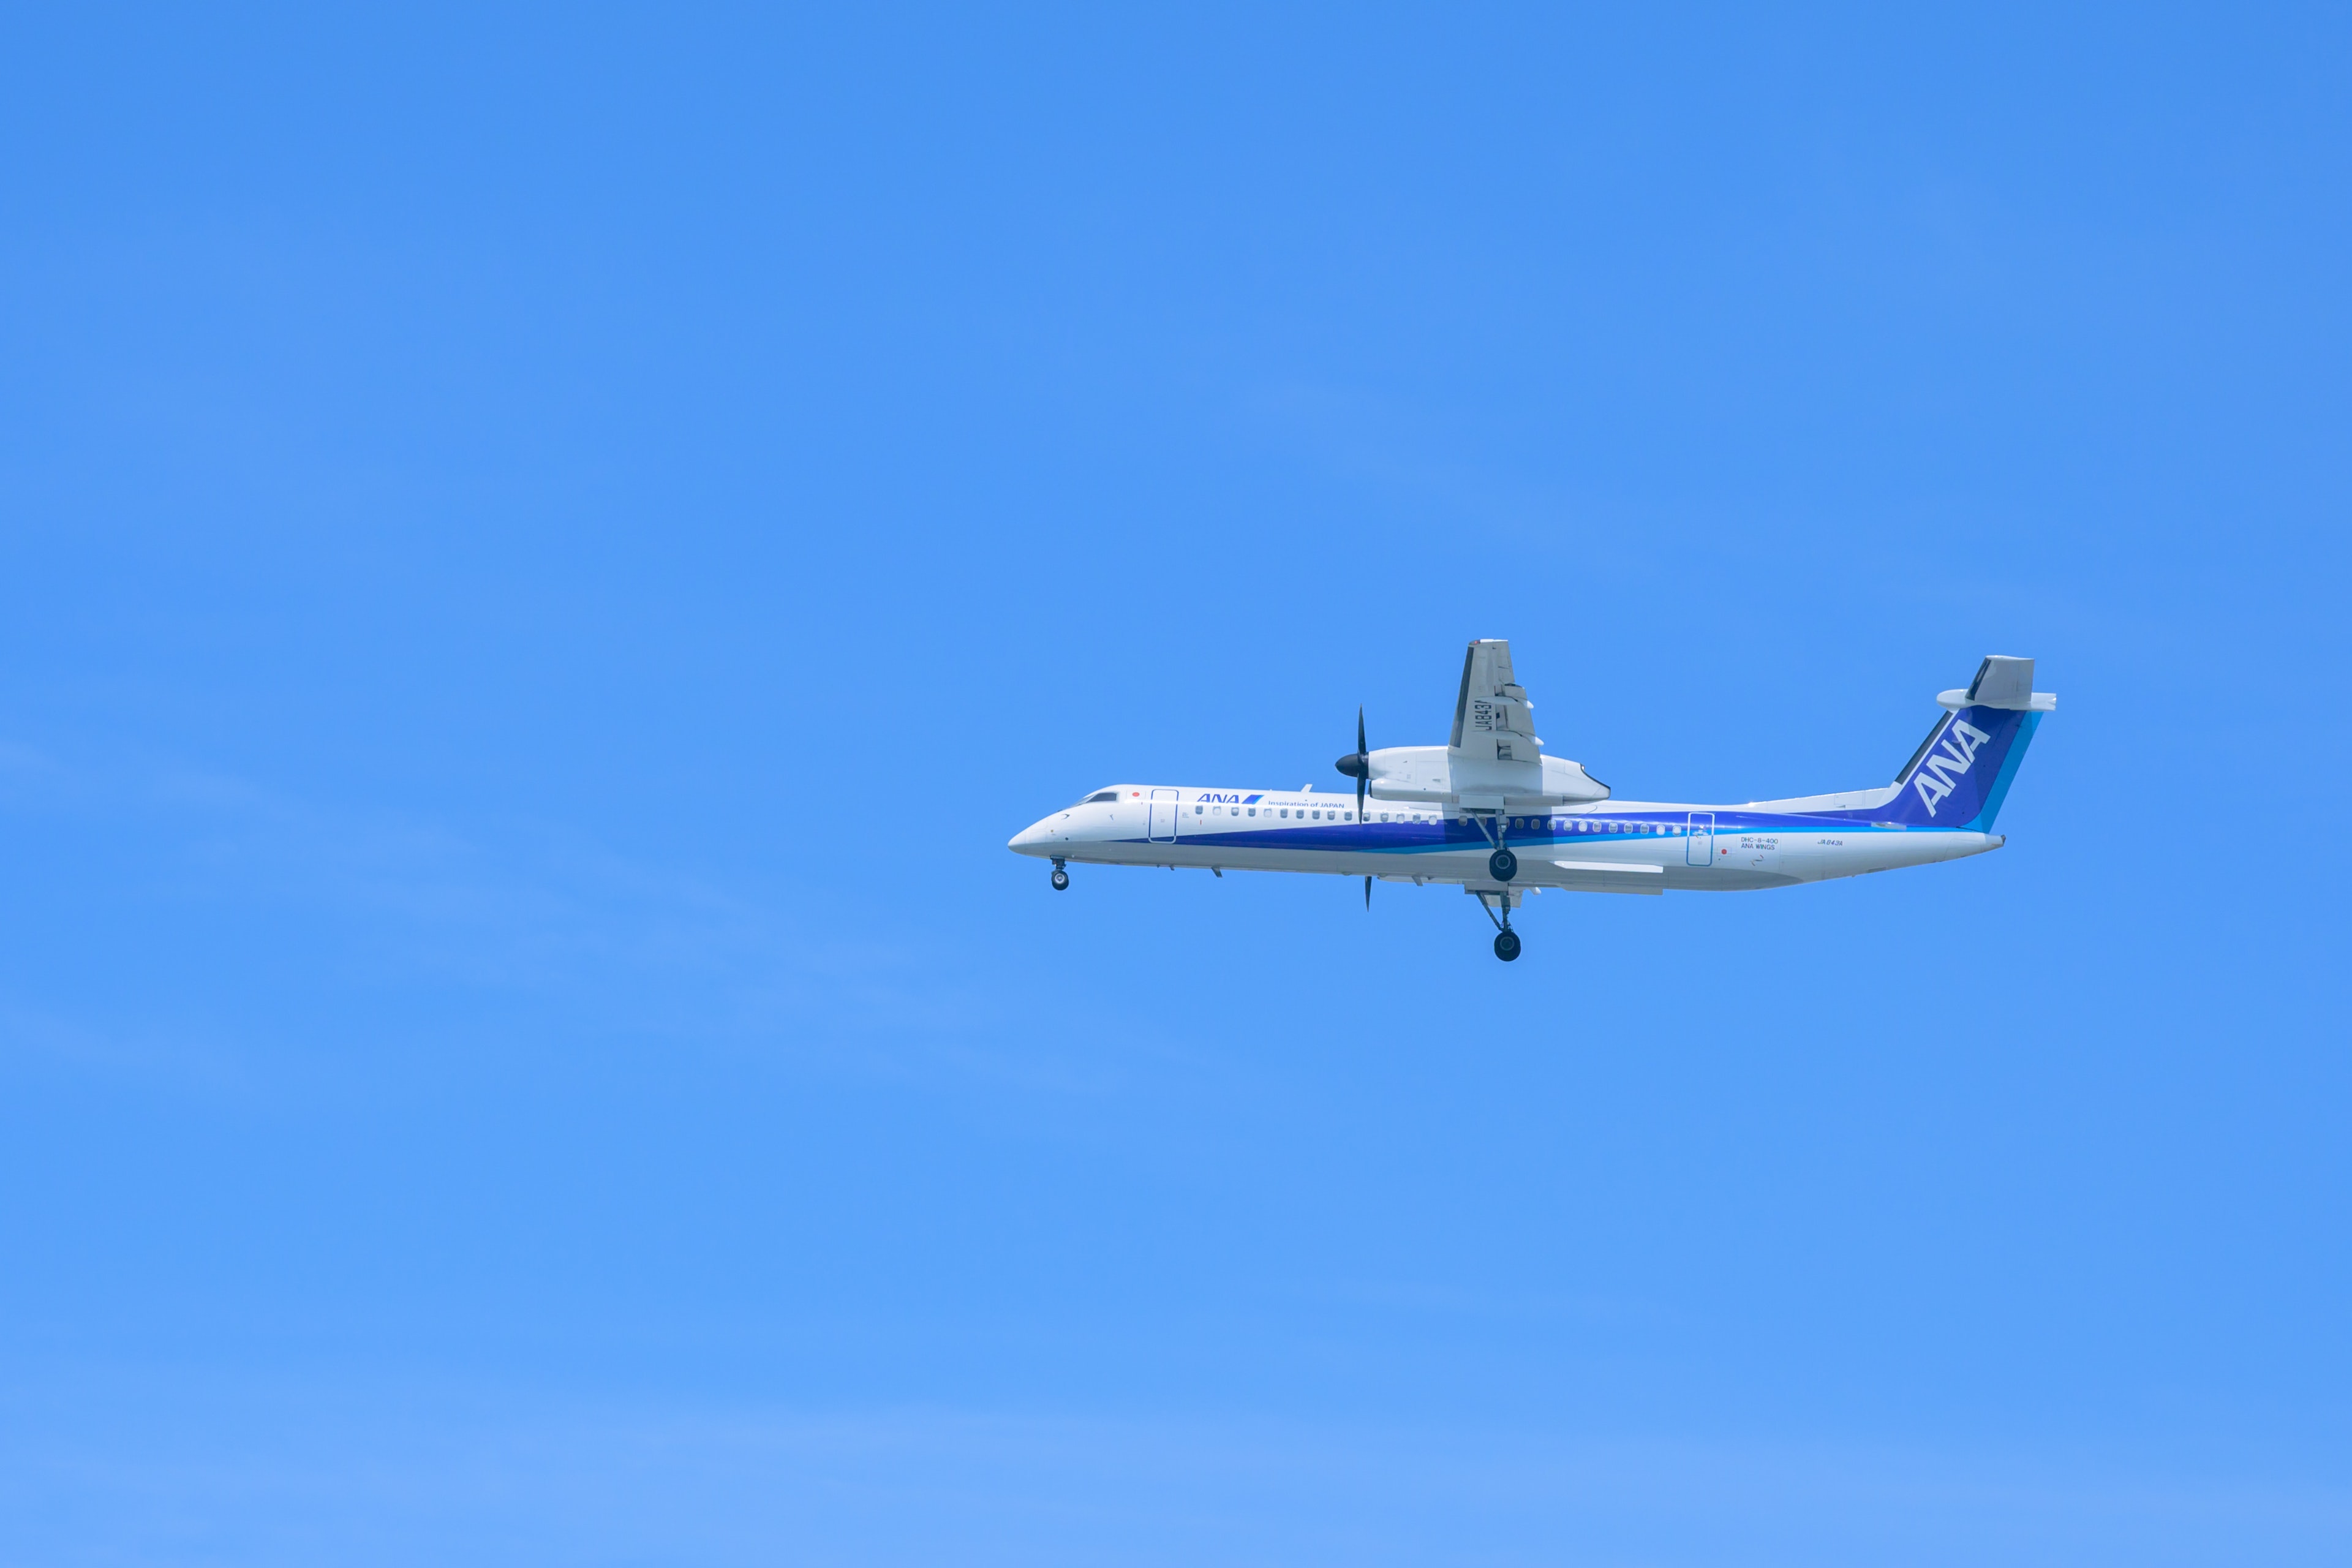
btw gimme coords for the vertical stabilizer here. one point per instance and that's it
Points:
(1961, 772)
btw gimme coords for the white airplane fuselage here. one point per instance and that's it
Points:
(1626, 847)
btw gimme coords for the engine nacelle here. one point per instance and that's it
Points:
(1439, 776)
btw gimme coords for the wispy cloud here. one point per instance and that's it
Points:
(264, 1474)
(405, 926)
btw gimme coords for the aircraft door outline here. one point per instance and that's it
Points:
(1698, 849)
(1162, 826)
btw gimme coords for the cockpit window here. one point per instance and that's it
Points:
(1100, 795)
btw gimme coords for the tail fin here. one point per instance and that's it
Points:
(1960, 773)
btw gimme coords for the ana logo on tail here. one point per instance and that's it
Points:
(1942, 768)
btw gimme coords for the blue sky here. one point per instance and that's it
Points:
(543, 553)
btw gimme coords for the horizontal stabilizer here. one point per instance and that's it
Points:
(2002, 682)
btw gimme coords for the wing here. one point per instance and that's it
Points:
(1492, 721)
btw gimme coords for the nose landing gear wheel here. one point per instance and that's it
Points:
(1507, 946)
(1502, 865)
(1060, 881)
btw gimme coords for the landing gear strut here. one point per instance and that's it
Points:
(1502, 865)
(1061, 879)
(1506, 941)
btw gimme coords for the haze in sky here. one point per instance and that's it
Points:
(544, 551)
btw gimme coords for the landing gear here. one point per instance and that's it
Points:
(1502, 865)
(1506, 941)
(1061, 879)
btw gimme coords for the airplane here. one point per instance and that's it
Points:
(1490, 813)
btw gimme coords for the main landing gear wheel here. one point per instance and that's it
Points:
(1502, 865)
(1061, 879)
(1506, 941)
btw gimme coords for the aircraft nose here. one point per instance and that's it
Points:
(1027, 841)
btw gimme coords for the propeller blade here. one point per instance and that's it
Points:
(1368, 895)
(1363, 779)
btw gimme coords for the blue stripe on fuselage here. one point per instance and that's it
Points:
(1424, 838)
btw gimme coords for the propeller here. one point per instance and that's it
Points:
(1358, 765)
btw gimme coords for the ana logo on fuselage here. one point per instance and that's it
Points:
(1230, 799)
(1944, 766)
